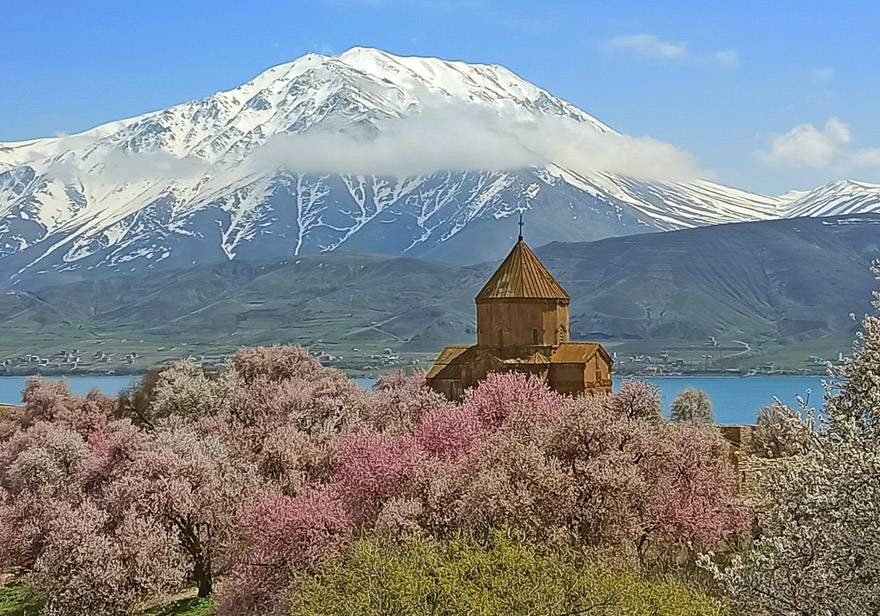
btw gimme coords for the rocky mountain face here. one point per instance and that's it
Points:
(215, 180)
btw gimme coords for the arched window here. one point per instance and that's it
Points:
(535, 337)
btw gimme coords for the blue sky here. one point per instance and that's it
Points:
(767, 96)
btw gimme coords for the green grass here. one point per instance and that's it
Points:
(184, 607)
(14, 601)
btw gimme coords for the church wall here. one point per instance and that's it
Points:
(567, 378)
(451, 389)
(597, 375)
(562, 327)
(510, 323)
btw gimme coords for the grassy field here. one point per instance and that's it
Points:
(14, 601)
(183, 607)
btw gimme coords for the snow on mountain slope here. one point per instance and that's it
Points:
(180, 185)
(682, 205)
(836, 199)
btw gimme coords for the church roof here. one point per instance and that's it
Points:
(522, 276)
(578, 352)
(453, 359)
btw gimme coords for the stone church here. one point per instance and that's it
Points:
(523, 326)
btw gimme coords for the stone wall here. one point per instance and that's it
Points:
(522, 322)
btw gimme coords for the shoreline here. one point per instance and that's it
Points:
(358, 374)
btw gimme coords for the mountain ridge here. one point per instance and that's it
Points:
(179, 186)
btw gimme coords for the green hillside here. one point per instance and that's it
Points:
(747, 294)
(744, 295)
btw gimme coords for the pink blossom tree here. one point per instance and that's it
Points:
(373, 468)
(283, 534)
(273, 463)
(501, 393)
(398, 402)
(186, 482)
(637, 399)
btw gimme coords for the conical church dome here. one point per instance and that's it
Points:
(523, 326)
(522, 276)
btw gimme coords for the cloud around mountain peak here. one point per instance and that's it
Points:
(458, 136)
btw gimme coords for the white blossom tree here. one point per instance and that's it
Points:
(818, 551)
(782, 431)
(692, 405)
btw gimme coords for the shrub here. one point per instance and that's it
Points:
(692, 405)
(16, 600)
(504, 577)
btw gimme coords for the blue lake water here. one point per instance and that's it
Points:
(734, 399)
(12, 386)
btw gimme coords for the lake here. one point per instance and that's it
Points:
(735, 399)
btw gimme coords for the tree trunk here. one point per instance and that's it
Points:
(203, 577)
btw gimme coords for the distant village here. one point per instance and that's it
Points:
(364, 362)
(80, 361)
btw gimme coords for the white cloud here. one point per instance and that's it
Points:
(443, 137)
(116, 167)
(119, 167)
(806, 145)
(868, 157)
(829, 147)
(322, 49)
(462, 137)
(650, 46)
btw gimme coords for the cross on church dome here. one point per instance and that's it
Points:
(522, 276)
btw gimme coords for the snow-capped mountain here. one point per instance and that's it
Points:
(837, 198)
(193, 183)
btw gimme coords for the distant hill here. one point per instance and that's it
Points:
(783, 289)
(744, 294)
